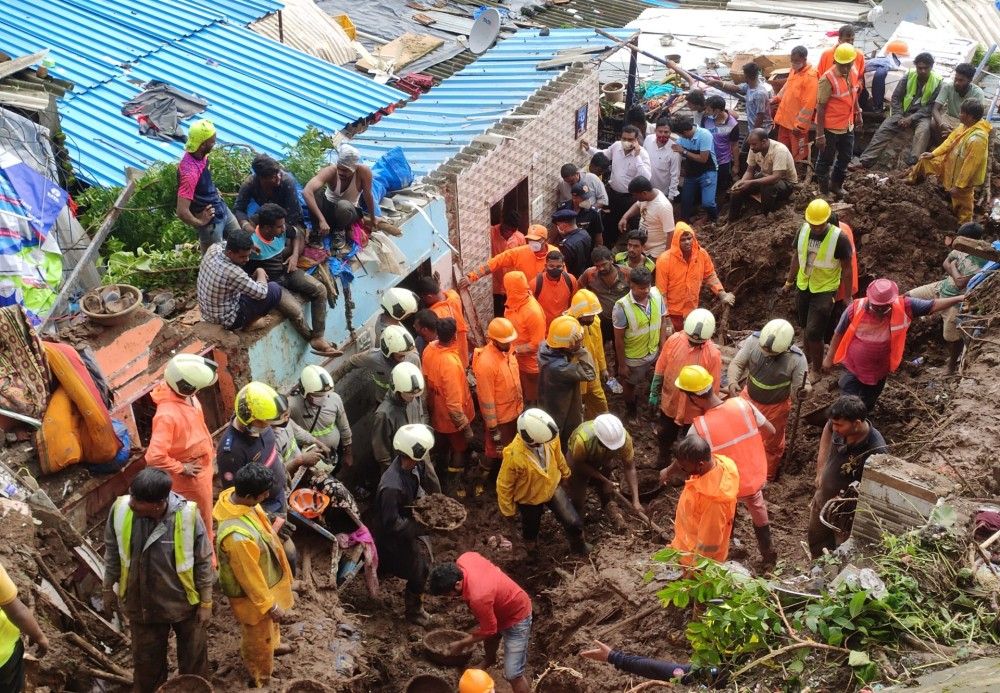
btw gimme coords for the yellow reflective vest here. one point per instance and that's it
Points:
(642, 334)
(825, 272)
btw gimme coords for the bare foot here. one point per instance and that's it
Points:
(256, 324)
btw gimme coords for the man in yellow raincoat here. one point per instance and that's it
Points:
(253, 570)
(960, 161)
(586, 308)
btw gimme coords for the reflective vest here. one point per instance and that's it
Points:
(911, 89)
(185, 526)
(899, 323)
(825, 272)
(843, 103)
(642, 336)
(10, 635)
(269, 563)
(730, 429)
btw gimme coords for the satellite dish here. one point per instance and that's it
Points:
(484, 31)
(887, 16)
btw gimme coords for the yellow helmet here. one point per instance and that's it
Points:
(818, 211)
(564, 332)
(845, 53)
(258, 401)
(476, 681)
(584, 303)
(694, 379)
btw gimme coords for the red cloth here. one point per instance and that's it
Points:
(495, 600)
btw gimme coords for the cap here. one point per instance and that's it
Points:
(580, 189)
(882, 292)
(536, 232)
(564, 215)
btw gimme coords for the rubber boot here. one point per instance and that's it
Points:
(768, 553)
(578, 546)
(414, 610)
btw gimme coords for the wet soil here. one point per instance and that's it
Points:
(438, 511)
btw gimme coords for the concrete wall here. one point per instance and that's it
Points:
(279, 356)
(480, 177)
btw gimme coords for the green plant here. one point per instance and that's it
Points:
(307, 155)
(992, 65)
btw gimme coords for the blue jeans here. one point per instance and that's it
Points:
(216, 231)
(706, 183)
(515, 648)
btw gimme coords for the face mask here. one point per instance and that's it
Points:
(628, 145)
(257, 431)
(535, 245)
(554, 273)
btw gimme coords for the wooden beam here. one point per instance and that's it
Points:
(972, 246)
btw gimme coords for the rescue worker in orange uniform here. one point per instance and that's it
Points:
(447, 304)
(504, 236)
(838, 112)
(691, 347)
(528, 259)
(448, 397)
(703, 522)
(775, 371)
(180, 443)
(734, 428)
(528, 318)
(498, 387)
(586, 308)
(554, 287)
(681, 271)
(871, 337)
(796, 104)
(826, 59)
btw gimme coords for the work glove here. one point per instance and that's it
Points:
(655, 389)
(728, 298)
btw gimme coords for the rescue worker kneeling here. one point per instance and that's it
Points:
(532, 467)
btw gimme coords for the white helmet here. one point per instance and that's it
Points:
(407, 378)
(399, 303)
(536, 427)
(315, 379)
(610, 431)
(395, 340)
(414, 441)
(777, 336)
(187, 373)
(700, 324)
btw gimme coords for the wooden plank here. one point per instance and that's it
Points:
(975, 247)
(18, 64)
(401, 51)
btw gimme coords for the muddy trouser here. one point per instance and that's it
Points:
(668, 432)
(839, 146)
(561, 507)
(579, 483)
(595, 402)
(949, 325)
(869, 394)
(313, 289)
(756, 506)
(257, 647)
(774, 444)
(12, 671)
(150, 645)
(819, 535)
(338, 234)
(770, 197)
(888, 130)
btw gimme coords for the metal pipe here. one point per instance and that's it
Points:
(281, 27)
(633, 68)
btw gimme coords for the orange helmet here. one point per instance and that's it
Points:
(897, 47)
(308, 503)
(476, 681)
(501, 330)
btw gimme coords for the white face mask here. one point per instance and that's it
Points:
(535, 245)
(628, 145)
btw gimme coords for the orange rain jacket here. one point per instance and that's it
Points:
(180, 435)
(680, 280)
(498, 385)
(498, 244)
(529, 320)
(520, 259)
(554, 295)
(676, 353)
(448, 396)
(451, 307)
(797, 100)
(705, 511)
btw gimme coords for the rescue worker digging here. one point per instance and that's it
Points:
(253, 571)
(498, 387)
(529, 481)
(733, 427)
(564, 365)
(775, 373)
(320, 411)
(592, 449)
(586, 308)
(157, 551)
(180, 443)
(396, 532)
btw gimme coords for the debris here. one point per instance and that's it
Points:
(438, 511)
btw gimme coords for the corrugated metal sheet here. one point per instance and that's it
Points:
(441, 123)
(976, 19)
(260, 92)
(306, 27)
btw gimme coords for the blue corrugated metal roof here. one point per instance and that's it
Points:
(441, 123)
(260, 92)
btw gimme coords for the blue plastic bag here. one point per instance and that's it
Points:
(121, 459)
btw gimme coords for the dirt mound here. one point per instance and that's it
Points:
(439, 511)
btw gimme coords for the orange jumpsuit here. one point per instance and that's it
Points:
(180, 435)
(676, 353)
(448, 397)
(529, 320)
(451, 307)
(498, 387)
(679, 280)
(703, 522)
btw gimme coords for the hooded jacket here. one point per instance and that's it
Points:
(527, 479)
(562, 372)
(960, 160)
(704, 520)
(180, 435)
(243, 557)
(451, 307)
(448, 396)
(498, 385)
(526, 313)
(680, 280)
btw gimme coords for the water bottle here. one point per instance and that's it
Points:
(615, 386)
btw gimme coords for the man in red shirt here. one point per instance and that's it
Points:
(502, 608)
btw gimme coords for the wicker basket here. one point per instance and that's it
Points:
(438, 642)
(421, 510)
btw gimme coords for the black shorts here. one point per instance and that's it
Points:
(814, 312)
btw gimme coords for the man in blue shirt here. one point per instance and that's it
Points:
(758, 102)
(698, 166)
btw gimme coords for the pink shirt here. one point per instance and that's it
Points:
(496, 601)
(868, 353)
